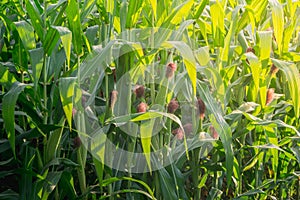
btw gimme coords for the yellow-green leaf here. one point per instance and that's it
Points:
(66, 90)
(278, 22)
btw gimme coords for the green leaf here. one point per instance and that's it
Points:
(218, 28)
(53, 142)
(278, 22)
(292, 75)
(115, 179)
(73, 16)
(154, 114)
(188, 59)
(154, 6)
(6, 78)
(9, 195)
(26, 33)
(88, 7)
(255, 66)
(200, 8)
(221, 126)
(66, 91)
(251, 193)
(182, 12)
(177, 14)
(36, 59)
(110, 6)
(167, 185)
(51, 183)
(272, 138)
(231, 33)
(265, 44)
(202, 55)
(36, 19)
(96, 61)
(216, 82)
(8, 108)
(66, 39)
(66, 183)
(146, 129)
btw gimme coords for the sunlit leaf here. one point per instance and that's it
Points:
(292, 74)
(66, 39)
(278, 22)
(36, 19)
(75, 25)
(217, 16)
(26, 33)
(66, 90)
(188, 59)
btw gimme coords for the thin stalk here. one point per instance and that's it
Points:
(169, 132)
(298, 188)
(152, 86)
(45, 89)
(240, 160)
(81, 171)
(78, 69)
(45, 120)
(157, 185)
(81, 153)
(81, 157)
(45, 65)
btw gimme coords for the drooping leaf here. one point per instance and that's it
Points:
(167, 185)
(221, 126)
(66, 91)
(66, 39)
(292, 75)
(8, 108)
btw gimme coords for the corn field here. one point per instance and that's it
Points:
(154, 99)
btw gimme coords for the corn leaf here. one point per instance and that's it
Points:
(35, 16)
(36, 59)
(66, 91)
(221, 127)
(26, 33)
(73, 16)
(8, 107)
(66, 39)
(292, 74)
(278, 23)
(188, 59)
(218, 29)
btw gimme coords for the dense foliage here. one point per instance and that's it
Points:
(212, 86)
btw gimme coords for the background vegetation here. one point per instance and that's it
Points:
(239, 58)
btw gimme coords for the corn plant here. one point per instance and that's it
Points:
(126, 99)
